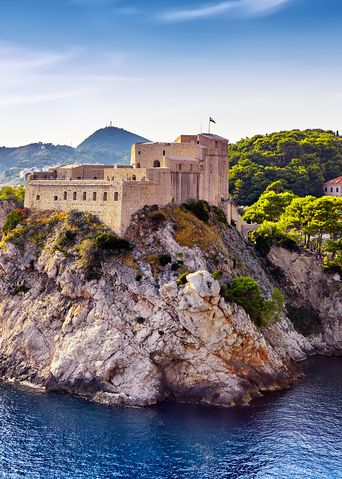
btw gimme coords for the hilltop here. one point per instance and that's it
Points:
(107, 145)
(303, 160)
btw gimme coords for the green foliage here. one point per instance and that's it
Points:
(164, 259)
(199, 208)
(13, 193)
(269, 207)
(270, 234)
(220, 216)
(301, 160)
(157, 217)
(217, 274)
(14, 218)
(65, 239)
(245, 292)
(21, 288)
(109, 242)
(181, 281)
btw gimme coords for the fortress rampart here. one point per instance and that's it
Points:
(193, 167)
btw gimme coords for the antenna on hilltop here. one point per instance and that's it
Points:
(110, 123)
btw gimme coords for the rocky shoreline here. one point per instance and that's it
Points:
(122, 330)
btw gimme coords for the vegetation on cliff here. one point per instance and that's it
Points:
(302, 160)
(245, 292)
(314, 223)
(13, 193)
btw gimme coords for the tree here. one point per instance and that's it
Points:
(302, 160)
(270, 206)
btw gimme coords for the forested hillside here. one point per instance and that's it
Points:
(303, 160)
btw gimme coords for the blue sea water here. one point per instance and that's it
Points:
(292, 434)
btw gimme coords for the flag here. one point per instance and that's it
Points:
(211, 120)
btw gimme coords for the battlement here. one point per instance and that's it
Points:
(193, 167)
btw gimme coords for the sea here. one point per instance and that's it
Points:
(294, 434)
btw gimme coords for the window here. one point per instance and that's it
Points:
(55, 198)
(139, 152)
(336, 190)
(163, 152)
(116, 196)
(65, 195)
(331, 190)
(74, 196)
(38, 197)
(156, 164)
(190, 167)
(325, 189)
(215, 144)
(105, 196)
(180, 167)
(134, 178)
(95, 178)
(138, 165)
(94, 196)
(84, 195)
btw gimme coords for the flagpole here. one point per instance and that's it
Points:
(209, 125)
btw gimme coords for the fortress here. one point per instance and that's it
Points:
(194, 167)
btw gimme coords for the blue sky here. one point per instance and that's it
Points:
(158, 68)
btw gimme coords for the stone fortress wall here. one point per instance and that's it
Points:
(193, 167)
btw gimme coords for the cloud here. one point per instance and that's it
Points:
(237, 7)
(39, 76)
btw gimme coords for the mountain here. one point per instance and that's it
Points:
(107, 145)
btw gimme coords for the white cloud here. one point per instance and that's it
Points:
(238, 7)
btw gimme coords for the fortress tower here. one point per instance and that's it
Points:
(193, 167)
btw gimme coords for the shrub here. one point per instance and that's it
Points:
(217, 274)
(65, 239)
(164, 259)
(199, 208)
(13, 193)
(245, 292)
(220, 216)
(109, 242)
(21, 288)
(181, 281)
(157, 217)
(14, 218)
(269, 235)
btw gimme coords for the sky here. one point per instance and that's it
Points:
(160, 68)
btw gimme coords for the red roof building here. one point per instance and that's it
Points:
(333, 187)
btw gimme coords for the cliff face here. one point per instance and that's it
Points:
(118, 328)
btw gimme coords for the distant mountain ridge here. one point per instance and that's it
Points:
(106, 145)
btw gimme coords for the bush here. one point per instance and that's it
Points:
(199, 208)
(108, 242)
(14, 218)
(66, 239)
(181, 281)
(157, 217)
(245, 292)
(164, 259)
(13, 193)
(21, 288)
(220, 216)
(269, 235)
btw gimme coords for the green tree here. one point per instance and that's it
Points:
(270, 206)
(13, 193)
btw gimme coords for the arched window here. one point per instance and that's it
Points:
(74, 196)
(138, 165)
(84, 195)
(95, 178)
(65, 196)
(156, 164)
(94, 196)
(134, 178)
(105, 196)
(116, 196)
(38, 197)
(55, 198)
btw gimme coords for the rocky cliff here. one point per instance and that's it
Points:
(82, 314)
